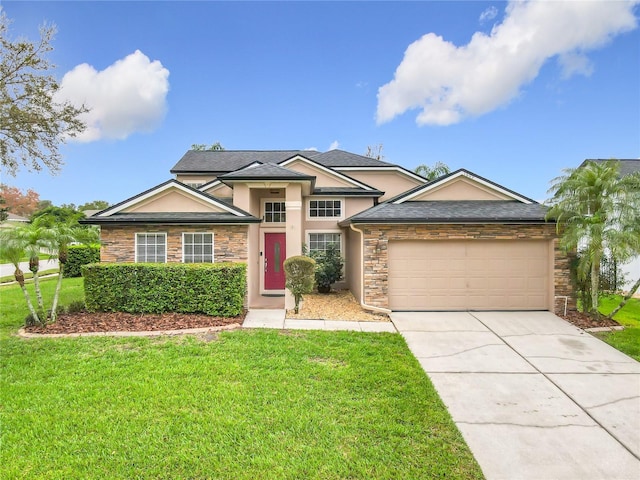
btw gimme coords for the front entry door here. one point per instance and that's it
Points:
(275, 251)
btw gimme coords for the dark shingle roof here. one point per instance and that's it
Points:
(196, 161)
(182, 218)
(447, 211)
(627, 165)
(340, 158)
(267, 171)
(347, 191)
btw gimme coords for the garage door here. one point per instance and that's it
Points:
(469, 275)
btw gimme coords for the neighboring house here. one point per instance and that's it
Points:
(631, 269)
(460, 242)
(13, 220)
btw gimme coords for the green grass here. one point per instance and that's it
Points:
(627, 340)
(245, 404)
(28, 275)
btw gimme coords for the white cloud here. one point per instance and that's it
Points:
(489, 14)
(126, 97)
(312, 149)
(450, 83)
(573, 63)
(335, 144)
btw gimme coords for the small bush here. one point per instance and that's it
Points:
(75, 307)
(329, 265)
(79, 255)
(299, 274)
(216, 289)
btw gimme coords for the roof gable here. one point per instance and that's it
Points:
(325, 176)
(460, 188)
(460, 185)
(175, 197)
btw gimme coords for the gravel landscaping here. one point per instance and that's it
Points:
(337, 305)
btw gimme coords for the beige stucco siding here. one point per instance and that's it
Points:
(392, 183)
(173, 201)
(221, 191)
(323, 178)
(199, 179)
(353, 267)
(462, 189)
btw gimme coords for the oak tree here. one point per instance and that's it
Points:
(34, 121)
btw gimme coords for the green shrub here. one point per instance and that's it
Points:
(216, 289)
(298, 271)
(329, 265)
(79, 255)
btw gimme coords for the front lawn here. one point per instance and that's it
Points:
(242, 404)
(627, 340)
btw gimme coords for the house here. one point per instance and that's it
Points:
(13, 221)
(460, 242)
(631, 269)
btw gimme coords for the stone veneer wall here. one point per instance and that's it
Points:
(118, 242)
(376, 262)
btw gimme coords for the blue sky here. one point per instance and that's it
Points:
(512, 92)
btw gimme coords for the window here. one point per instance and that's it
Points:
(151, 247)
(274, 212)
(325, 208)
(318, 242)
(197, 247)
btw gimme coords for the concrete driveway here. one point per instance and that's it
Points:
(533, 396)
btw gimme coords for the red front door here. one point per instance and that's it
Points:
(275, 251)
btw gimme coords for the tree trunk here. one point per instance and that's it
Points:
(54, 305)
(20, 279)
(625, 299)
(34, 266)
(36, 285)
(595, 286)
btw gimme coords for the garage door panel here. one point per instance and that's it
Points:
(469, 275)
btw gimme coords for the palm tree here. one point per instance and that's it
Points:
(431, 173)
(597, 213)
(63, 235)
(13, 252)
(33, 238)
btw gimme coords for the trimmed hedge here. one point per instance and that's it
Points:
(79, 255)
(216, 289)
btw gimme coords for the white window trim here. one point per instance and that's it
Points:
(325, 230)
(263, 212)
(325, 219)
(166, 247)
(213, 244)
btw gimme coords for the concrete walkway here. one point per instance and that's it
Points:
(264, 318)
(533, 396)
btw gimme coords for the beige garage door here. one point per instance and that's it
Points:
(469, 275)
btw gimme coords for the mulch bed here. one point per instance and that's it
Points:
(584, 321)
(85, 322)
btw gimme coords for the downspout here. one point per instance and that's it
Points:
(362, 304)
